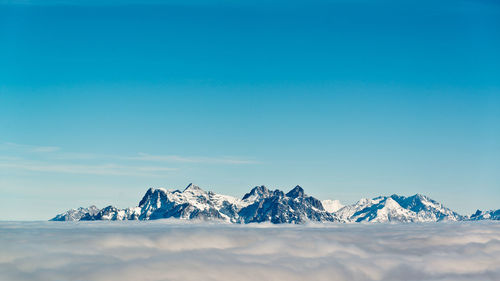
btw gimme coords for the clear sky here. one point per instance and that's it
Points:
(349, 99)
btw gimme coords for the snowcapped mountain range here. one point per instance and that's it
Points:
(416, 208)
(264, 205)
(486, 215)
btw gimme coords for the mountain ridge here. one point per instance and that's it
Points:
(261, 204)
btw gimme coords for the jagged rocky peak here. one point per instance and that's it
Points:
(258, 191)
(477, 214)
(150, 194)
(486, 215)
(193, 188)
(296, 192)
(278, 193)
(415, 202)
(277, 207)
(146, 196)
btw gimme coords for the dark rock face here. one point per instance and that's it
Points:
(293, 207)
(296, 192)
(146, 197)
(258, 191)
(108, 211)
(486, 215)
(367, 214)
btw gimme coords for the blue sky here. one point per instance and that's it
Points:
(349, 99)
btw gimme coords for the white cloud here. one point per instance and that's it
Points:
(97, 169)
(29, 148)
(62, 155)
(162, 250)
(184, 159)
(52, 159)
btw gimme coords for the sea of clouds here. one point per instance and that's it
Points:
(166, 250)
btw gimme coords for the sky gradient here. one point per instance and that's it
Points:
(349, 99)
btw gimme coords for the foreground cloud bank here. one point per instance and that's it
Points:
(165, 250)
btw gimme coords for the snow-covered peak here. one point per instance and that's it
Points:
(193, 188)
(76, 214)
(331, 205)
(192, 202)
(363, 201)
(391, 211)
(416, 208)
(486, 215)
(257, 193)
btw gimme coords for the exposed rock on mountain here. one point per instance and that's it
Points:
(259, 205)
(277, 207)
(264, 205)
(76, 214)
(192, 203)
(486, 215)
(395, 208)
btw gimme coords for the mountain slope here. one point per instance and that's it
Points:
(486, 215)
(395, 208)
(76, 214)
(277, 207)
(264, 205)
(332, 206)
(259, 205)
(192, 203)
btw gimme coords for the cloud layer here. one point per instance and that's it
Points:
(164, 250)
(52, 159)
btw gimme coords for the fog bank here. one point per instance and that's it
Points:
(166, 250)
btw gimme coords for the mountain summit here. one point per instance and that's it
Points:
(296, 192)
(395, 208)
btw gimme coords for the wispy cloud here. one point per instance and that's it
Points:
(162, 250)
(144, 157)
(29, 148)
(53, 159)
(184, 159)
(98, 169)
(138, 157)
